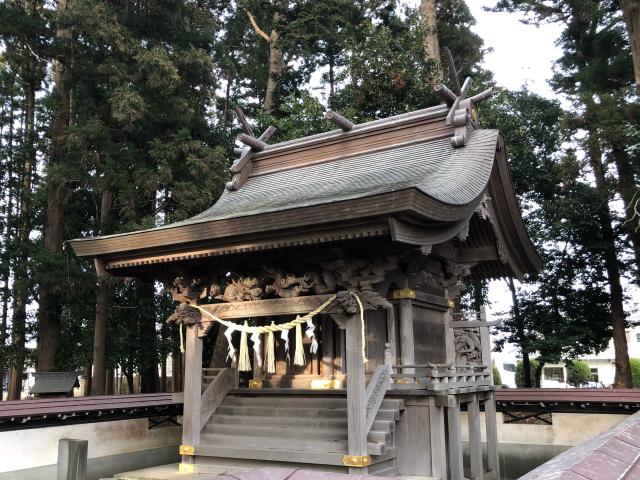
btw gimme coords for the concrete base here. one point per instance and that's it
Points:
(213, 471)
(171, 472)
(102, 467)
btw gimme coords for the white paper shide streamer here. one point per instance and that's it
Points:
(310, 332)
(284, 335)
(232, 351)
(255, 339)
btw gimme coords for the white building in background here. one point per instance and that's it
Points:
(555, 375)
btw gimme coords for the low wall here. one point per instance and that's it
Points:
(114, 447)
(524, 447)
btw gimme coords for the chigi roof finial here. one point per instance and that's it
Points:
(463, 112)
(241, 168)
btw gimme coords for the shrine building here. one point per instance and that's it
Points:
(332, 265)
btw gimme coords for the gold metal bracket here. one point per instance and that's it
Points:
(404, 293)
(257, 383)
(357, 461)
(185, 468)
(326, 384)
(187, 450)
(451, 302)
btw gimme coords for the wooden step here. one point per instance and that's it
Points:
(322, 458)
(285, 431)
(284, 401)
(308, 422)
(284, 411)
(308, 444)
(303, 401)
(272, 420)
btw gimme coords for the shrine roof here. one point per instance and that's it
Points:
(402, 179)
(448, 175)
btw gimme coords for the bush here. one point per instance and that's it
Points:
(497, 379)
(635, 372)
(578, 373)
(533, 364)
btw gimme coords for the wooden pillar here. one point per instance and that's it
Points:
(454, 439)
(356, 393)
(438, 440)
(407, 346)
(328, 340)
(342, 351)
(192, 394)
(493, 459)
(475, 439)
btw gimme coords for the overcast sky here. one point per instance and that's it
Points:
(521, 54)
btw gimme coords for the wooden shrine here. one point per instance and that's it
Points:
(332, 264)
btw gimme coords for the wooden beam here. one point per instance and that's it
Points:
(246, 127)
(264, 308)
(473, 323)
(480, 254)
(443, 92)
(192, 392)
(256, 144)
(453, 71)
(465, 87)
(482, 96)
(339, 121)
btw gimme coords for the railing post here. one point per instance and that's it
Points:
(358, 457)
(475, 440)
(493, 459)
(72, 459)
(192, 396)
(454, 438)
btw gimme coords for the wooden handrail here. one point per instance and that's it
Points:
(215, 392)
(376, 390)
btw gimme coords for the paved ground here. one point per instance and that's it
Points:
(170, 472)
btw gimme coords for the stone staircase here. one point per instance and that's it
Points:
(304, 428)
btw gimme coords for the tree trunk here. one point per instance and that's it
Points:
(149, 378)
(100, 333)
(526, 362)
(49, 321)
(276, 67)
(176, 372)
(86, 373)
(8, 194)
(629, 193)
(102, 306)
(109, 388)
(538, 374)
(128, 373)
(623, 369)
(430, 41)
(631, 13)
(21, 280)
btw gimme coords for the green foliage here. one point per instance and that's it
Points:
(635, 372)
(519, 375)
(497, 379)
(578, 373)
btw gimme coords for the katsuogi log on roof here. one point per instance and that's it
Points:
(414, 180)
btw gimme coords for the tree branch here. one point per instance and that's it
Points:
(257, 29)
